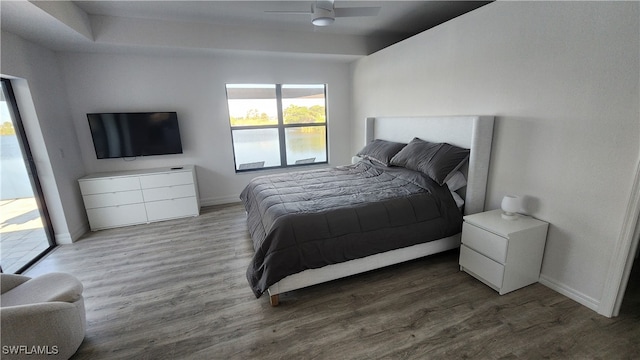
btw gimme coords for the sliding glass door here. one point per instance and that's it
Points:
(25, 229)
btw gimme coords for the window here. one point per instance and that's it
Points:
(277, 125)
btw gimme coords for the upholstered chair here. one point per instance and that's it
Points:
(41, 317)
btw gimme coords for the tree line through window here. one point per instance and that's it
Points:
(277, 125)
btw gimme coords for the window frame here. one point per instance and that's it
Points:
(282, 128)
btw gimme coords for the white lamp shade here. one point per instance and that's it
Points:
(511, 204)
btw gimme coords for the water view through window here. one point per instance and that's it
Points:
(275, 125)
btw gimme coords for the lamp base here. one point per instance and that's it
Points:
(509, 216)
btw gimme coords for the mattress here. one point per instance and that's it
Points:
(309, 219)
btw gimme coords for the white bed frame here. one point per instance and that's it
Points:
(471, 132)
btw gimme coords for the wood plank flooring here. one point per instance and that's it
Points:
(177, 290)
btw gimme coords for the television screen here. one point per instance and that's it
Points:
(117, 135)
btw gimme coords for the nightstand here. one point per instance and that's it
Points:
(504, 254)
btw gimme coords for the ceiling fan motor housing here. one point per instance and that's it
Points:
(322, 16)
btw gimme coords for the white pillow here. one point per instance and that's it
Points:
(456, 181)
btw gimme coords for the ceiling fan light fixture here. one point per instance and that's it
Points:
(324, 13)
(322, 20)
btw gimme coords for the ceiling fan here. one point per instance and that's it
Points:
(323, 12)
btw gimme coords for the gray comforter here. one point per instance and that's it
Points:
(309, 219)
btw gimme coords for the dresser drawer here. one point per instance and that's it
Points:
(168, 193)
(107, 185)
(166, 179)
(108, 217)
(483, 267)
(171, 209)
(112, 199)
(485, 242)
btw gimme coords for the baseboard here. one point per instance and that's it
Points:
(63, 238)
(70, 238)
(219, 200)
(79, 232)
(571, 293)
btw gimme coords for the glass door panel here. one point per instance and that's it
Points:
(23, 235)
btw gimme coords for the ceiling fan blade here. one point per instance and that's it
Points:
(288, 12)
(357, 11)
(291, 12)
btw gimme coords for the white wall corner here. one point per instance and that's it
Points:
(77, 233)
(68, 14)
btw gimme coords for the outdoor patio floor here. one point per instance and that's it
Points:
(22, 236)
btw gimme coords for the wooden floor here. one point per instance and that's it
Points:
(177, 290)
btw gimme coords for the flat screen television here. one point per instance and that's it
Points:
(118, 135)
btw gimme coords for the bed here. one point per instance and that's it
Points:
(315, 226)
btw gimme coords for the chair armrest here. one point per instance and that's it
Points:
(37, 310)
(57, 325)
(9, 281)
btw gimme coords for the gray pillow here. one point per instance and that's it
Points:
(380, 151)
(437, 160)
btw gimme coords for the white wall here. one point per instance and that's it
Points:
(194, 86)
(42, 101)
(562, 79)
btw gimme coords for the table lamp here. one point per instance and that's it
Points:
(511, 204)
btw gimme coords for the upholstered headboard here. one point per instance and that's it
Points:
(471, 132)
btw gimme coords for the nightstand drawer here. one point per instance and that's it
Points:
(481, 266)
(485, 242)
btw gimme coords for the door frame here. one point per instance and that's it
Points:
(33, 173)
(623, 253)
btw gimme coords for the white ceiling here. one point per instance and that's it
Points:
(102, 26)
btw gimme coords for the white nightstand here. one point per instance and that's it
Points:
(504, 254)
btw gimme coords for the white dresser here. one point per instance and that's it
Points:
(504, 254)
(136, 197)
